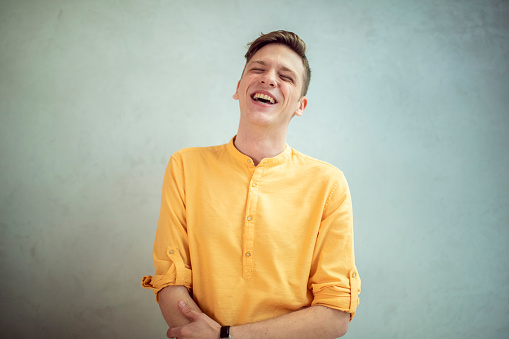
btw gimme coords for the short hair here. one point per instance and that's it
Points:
(289, 39)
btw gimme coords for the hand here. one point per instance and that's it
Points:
(200, 327)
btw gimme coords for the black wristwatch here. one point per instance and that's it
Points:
(225, 332)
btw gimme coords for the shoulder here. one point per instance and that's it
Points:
(326, 177)
(196, 154)
(322, 175)
(315, 166)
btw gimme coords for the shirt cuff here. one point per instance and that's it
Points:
(343, 298)
(172, 272)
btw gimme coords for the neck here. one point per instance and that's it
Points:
(260, 144)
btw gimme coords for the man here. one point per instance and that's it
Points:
(255, 239)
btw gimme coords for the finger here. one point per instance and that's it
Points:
(188, 311)
(173, 332)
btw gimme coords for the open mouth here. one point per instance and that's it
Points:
(264, 98)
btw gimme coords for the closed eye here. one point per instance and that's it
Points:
(286, 78)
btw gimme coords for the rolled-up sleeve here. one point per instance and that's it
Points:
(334, 279)
(171, 249)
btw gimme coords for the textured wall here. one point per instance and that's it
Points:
(409, 98)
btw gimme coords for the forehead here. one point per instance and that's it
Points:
(280, 56)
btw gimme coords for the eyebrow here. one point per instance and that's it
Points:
(283, 68)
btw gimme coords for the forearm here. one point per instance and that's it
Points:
(168, 299)
(311, 322)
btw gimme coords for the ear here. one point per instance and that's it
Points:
(236, 95)
(303, 102)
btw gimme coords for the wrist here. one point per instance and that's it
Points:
(239, 332)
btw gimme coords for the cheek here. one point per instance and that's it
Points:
(287, 93)
(243, 87)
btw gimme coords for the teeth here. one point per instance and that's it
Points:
(264, 97)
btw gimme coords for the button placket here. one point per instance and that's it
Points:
(249, 224)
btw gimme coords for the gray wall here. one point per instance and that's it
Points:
(409, 98)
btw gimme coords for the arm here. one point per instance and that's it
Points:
(312, 322)
(168, 299)
(173, 276)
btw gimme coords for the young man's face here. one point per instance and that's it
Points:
(270, 89)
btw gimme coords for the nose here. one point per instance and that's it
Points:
(269, 78)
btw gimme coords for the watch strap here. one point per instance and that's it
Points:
(225, 332)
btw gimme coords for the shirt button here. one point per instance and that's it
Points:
(353, 274)
(171, 251)
(248, 254)
(248, 161)
(249, 218)
(253, 184)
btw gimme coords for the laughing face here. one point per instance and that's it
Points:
(270, 89)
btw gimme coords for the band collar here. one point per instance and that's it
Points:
(266, 162)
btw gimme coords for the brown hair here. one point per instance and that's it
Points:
(289, 39)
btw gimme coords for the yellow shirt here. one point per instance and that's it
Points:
(255, 242)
